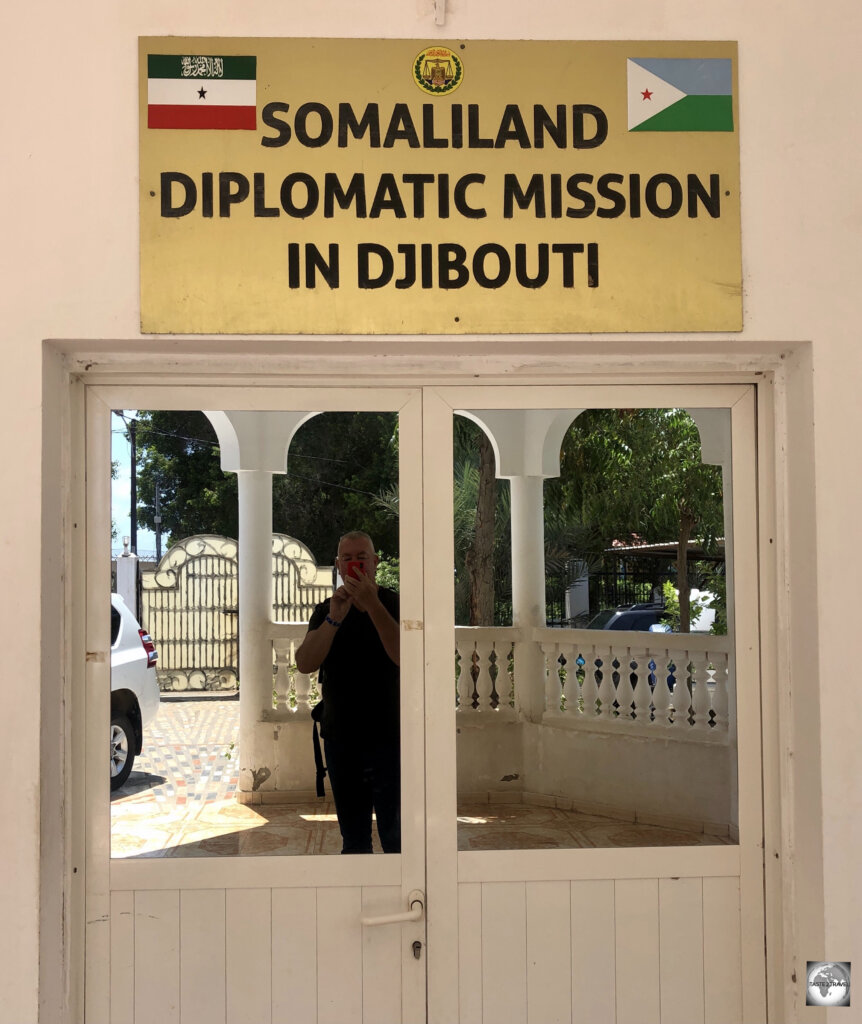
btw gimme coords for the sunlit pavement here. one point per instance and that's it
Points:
(180, 801)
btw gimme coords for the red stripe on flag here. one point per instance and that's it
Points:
(178, 116)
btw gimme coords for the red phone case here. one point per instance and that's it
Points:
(354, 569)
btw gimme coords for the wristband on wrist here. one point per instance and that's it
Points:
(333, 622)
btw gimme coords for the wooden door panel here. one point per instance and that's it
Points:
(593, 952)
(681, 943)
(157, 956)
(294, 955)
(504, 942)
(381, 958)
(549, 953)
(722, 950)
(203, 929)
(122, 967)
(248, 975)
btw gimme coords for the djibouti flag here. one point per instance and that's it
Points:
(680, 95)
(201, 92)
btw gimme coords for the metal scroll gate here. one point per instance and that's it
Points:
(190, 606)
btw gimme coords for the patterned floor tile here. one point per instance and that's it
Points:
(180, 801)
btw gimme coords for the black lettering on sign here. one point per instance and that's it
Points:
(228, 195)
(533, 194)
(543, 125)
(312, 194)
(568, 251)
(188, 196)
(401, 128)
(387, 197)
(315, 263)
(408, 278)
(521, 272)
(512, 128)
(618, 200)
(580, 195)
(334, 193)
(504, 265)
(711, 198)
(584, 115)
(269, 117)
(260, 207)
(207, 194)
(368, 124)
(451, 271)
(460, 196)
(301, 126)
(380, 274)
(418, 181)
(672, 195)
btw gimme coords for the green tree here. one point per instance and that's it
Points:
(179, 453)
(337, 463)
(636, 475)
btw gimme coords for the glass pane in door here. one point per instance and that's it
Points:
(594, 628)
(190, 775)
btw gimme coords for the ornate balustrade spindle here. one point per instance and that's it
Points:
(720, 702)
(700, 701)
(661, 698)
(638, 679)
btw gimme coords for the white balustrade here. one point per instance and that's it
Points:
(641, 702)
(622, 679)
(663, 711)
(719, 670)
(701, 704)
(554, 691)
(292, 689)
(484, 662)
(592, 678)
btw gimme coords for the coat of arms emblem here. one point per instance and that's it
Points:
(438, 70)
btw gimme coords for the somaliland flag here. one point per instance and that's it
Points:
(201, 92)
(680, 95)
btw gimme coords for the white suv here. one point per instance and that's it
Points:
(134, 689)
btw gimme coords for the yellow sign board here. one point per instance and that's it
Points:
(353, 186)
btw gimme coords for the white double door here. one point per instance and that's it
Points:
(624, 936)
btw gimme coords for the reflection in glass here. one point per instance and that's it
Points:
(606, 622)
(196, 788)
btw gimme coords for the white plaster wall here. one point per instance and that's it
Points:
(69, 269)
(634, 775)
(490, 756)
(618, 775)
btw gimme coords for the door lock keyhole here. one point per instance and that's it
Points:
(417, 949)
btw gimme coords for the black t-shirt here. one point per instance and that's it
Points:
(360, 682)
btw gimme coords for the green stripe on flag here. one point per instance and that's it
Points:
(692, 114)
(164, 65)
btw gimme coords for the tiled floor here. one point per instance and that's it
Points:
(180, 801)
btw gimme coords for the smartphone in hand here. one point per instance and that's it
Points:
(355, 569)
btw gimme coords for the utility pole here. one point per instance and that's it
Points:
(157, 519)
(133, 512)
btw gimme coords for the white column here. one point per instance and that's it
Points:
(255, 615)
(254, 446)
(127, 577)
(528, 590)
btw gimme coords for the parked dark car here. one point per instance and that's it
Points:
(631, 616)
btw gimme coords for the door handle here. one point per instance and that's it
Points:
(416, 905)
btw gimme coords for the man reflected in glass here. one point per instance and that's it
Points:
(353, 640)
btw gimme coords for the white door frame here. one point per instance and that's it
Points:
(783, 389)
(379, 878)
(446, 867)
